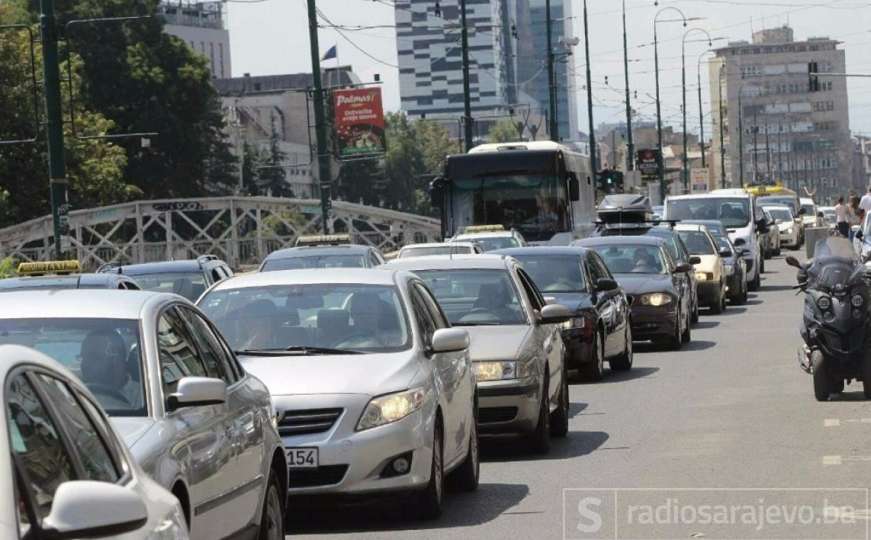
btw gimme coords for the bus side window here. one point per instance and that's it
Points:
(574, 187)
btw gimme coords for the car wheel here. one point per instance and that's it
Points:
(687, 336)
(624, 361)
(695, 316)
(675, 340)
(762, 264)
(430, 499)
(717, 306)
(593, 371)
(822, 383)
(540, 438)
(467, 475)
(756, 283)
(272, 520)
(559, 419)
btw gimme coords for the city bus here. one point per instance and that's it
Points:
(543, 190)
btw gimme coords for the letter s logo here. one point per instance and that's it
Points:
(589, 519)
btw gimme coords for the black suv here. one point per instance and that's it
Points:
(187, 278)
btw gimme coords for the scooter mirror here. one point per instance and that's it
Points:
(792, 261)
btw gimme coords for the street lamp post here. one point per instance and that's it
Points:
(468, 123)
(722, 132)
(552, 125)
(660, 164)
(593, 164)
(683, 64)
(701, 112)
(630, 146)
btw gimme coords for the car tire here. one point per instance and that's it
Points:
(822, 381)
(539, 439)
(694, 318)
(430, 500)
(741, 298)
(594, 371)
(687, 334)
(762, 265)
(467, 476)
(674, 341)
(272, 518)
(756, 283)
(717, 306)
(559, 419)
(624, 361)
(866, 376)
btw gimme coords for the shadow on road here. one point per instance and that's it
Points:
(575, 444)
(735, 310)
(576, 408)
(852, 393)
(776, 288)
(460, 510)
(705, 325)
(623, 376)
(697, 345)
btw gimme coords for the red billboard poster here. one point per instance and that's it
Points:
(359, 122)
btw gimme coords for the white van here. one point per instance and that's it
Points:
(740, 215)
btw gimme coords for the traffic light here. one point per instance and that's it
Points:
(813, 79)
(610, 181)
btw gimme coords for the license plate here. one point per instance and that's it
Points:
(302, 458)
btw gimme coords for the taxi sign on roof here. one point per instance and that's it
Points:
(483, 228)
(324, 240)
(49, 267)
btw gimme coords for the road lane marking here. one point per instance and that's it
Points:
(831, 422)
(831, 460)
(835, 422)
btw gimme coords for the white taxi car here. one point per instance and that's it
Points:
(490, 237)
(67, 475)
(193, 419)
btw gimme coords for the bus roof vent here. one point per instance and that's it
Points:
(510, 147)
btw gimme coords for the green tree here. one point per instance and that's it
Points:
(404, 162)
(435, 144)
(94, 166)
(145, 80)
(504, 130)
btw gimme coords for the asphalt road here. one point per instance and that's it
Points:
(730, 410)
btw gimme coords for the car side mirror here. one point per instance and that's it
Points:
(695, 259)
(606, 284)
(554, 314)
(196, 392)
(740, 242)
(725, 252)
(87, 509)
(792, 261)
(574, 187)
(446, 340)
(683, 268)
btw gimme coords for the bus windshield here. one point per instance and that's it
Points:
(535, 205)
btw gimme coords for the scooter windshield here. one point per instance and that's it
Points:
(835, 266)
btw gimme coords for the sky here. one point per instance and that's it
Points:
(271, 37)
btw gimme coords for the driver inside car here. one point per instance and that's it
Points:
(645, 263)
(105, 370)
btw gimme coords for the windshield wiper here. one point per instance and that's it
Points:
(479, 324)
(294, 349)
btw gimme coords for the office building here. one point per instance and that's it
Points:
(200, 25)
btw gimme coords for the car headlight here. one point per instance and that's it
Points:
(824, 302)
(391, 408)
(499, 371)
(730, 269)
(704, 276)
(857, 300)
(574, 323)
(655, 299)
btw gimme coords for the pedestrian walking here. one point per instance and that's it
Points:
(842, 218)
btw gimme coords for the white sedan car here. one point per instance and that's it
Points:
(373, 390)
(192, 418)
(71, 477)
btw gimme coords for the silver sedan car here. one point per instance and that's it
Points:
(193, 419)
(373, 389)
(517, 348)
(71, 477)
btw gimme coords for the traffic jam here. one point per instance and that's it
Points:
(336, 372)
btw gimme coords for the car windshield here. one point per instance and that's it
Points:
(352, 317)
(103, 353)
(434, 250)
(475, 297)
(187, 284)
(733, 212)
(697, 242)
(783, 214)
(314, 261)
(554, 273)
(632, 258)
(493, 243)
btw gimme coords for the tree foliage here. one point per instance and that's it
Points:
(504, 130)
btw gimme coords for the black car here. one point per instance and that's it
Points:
(657, 287)
(187, 278)
(578, 279)
(323, 256)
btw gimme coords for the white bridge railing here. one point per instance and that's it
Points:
(240, 230)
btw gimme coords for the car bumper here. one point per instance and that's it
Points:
(353, 462)
(579, 348)
(508, 406)
(652, 322)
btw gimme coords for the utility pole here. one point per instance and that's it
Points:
(54, 124)
(701, 112)
(722, 132)
(740, 140)
(468, 123)
(630, 146)
(553, 126)
(660, 162)
(683, 74)
(755, 148)
(324, 169)
(593, 165)
(767, 150)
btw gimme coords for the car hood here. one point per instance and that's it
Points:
(573, 301)
(369, 374)
(644, 283)
(132, 429)
(785, 226)
(497, 342)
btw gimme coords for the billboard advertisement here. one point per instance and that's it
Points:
(359, 122)
(648, 162)
(699, 180)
